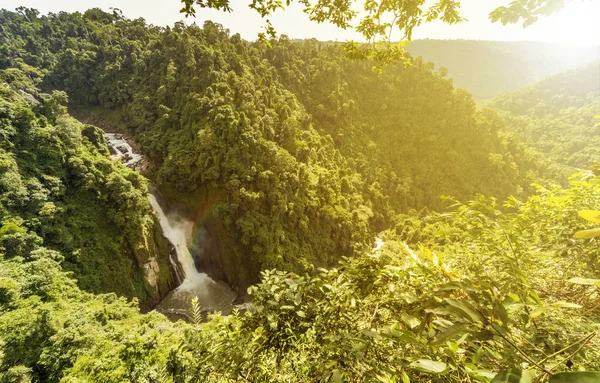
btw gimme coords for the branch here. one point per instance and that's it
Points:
(524, 355)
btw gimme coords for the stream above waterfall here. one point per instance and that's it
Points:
(212, 295)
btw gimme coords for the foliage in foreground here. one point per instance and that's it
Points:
(490, 291)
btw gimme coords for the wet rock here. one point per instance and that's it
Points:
(123, 149)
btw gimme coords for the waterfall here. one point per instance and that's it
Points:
(212, 295)
(123, 151)
(177, 232)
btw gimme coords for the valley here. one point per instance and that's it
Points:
(212, 295)
(179, 204)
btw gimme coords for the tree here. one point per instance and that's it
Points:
(526, 10)
(376, 20)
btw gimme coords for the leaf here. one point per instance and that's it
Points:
(585, 281)
(466, 308)
(405, 378)
(484, 373)
(514, 375)
(590, 215)
(371, 334)
(529, 21)
(410, 320)
(537, 312)
(514, 297)
(500, 310)
(429, 366)
(336, 376)
(576, 377)
(591, 233)
(196, 311)
(477, 355)
(449, 333)
(566, 305)
(484, 335)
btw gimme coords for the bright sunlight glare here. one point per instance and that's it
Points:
(577, 23)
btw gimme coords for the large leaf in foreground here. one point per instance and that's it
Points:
(591, 233)
(585, 281)
(590, 215)
(429, 366)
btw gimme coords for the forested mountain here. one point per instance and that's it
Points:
(490, 68)
(407, 125)
(58, 188)
(558, 116)
(424, 306)
(293, 160)
(305, 154)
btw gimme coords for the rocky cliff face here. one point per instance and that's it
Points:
(215, 254)
(154, 260)
(151, 251)
(213, 249)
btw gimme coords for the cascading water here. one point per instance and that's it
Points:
(123, 151)
(212, 295)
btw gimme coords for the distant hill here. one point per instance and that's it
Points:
(490, 68)
(557, 115)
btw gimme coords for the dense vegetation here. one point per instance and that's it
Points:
(306, 154)
(301, 157)
(450, 297)
(490, 68)
(59, 188)
(558, 115)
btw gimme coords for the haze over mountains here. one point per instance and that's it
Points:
(377, 227)
(490, 68)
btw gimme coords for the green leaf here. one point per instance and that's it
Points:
(590, 215)
(371, 334)
(500, 310)
(410, 320)
(485, 335)
(585, 281)
(514, 297)
(566, 305)
(576, 377)
(537, 312)
(429, 366)
(336, 376)
(485, 374)
(467, 308)
(514, 375)
(591, 233)
(449, 333)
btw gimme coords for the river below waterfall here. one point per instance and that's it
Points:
(212, 295)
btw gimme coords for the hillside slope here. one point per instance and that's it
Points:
(300, 157)
(490, 68)
(289, 157)
(58, 187)
(558, 115)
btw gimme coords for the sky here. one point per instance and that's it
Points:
(576, 24)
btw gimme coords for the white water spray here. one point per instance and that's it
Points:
(123, 151)
(212, 295)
